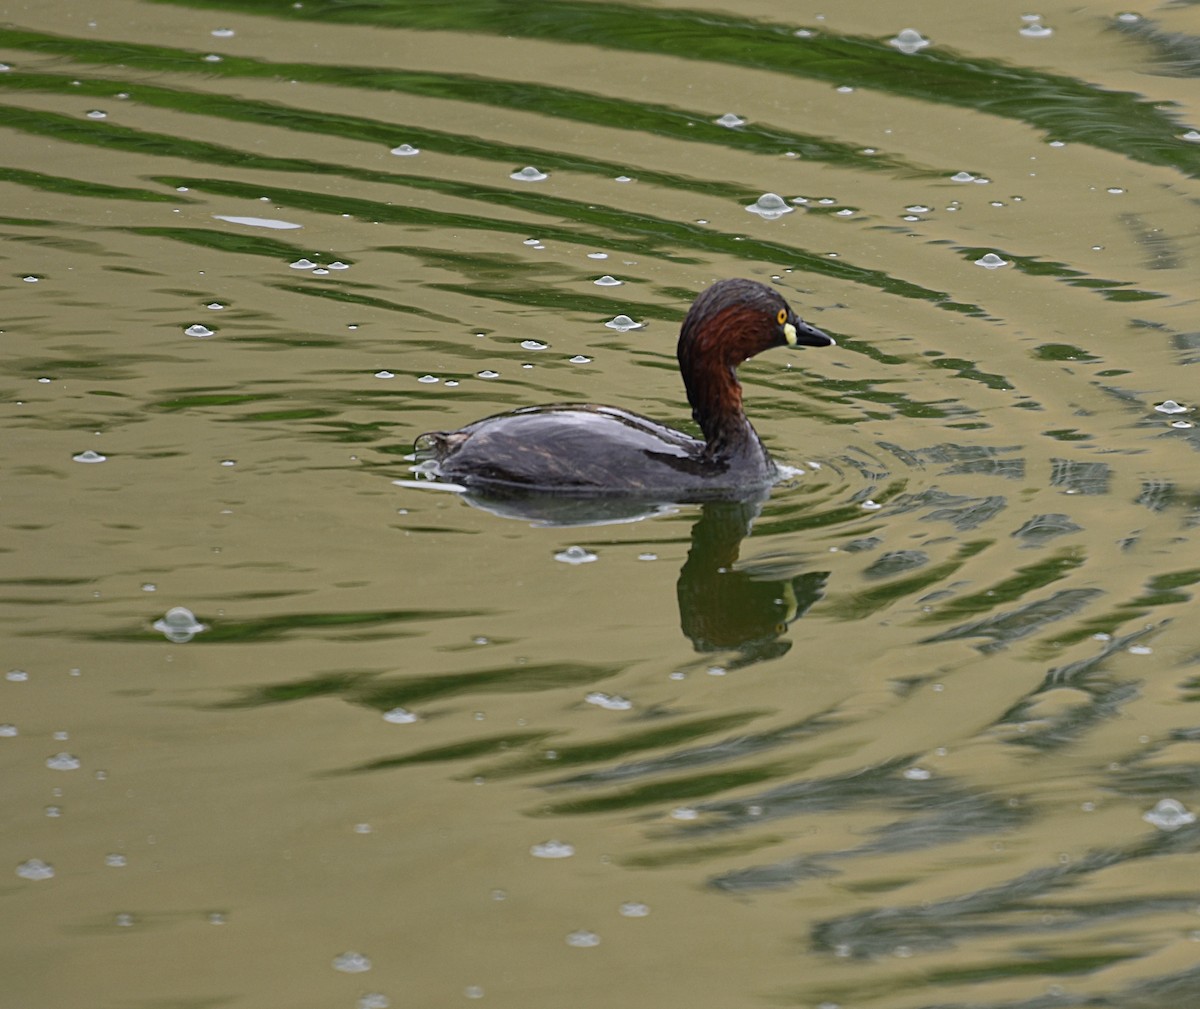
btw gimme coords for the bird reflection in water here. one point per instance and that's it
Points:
(722, 607)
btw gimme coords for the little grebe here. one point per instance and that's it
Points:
(588, 450)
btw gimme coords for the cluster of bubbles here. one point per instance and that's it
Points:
(316, 268)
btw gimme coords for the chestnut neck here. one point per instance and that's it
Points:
(711, 346)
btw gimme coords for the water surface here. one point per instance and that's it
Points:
(914, 733)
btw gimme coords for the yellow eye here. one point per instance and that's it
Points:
(781, 318)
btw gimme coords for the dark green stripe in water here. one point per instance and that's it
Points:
(1064, 107)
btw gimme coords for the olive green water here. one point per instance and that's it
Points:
(891, 747)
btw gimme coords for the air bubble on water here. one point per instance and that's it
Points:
(302, 264)
(846, 212)
(54, 812)
(216, 918)
(451, 383)
(730, 121)
(35, 868)
(215, 306)
(633, 909)
(529, 174)
(804, 33)
(405, 151)
(31, 279)
(962, 177)
(487, 373)
(427, 379)
(473, 991)
(362, 828)
(199, 330)
(575, 555)
(583, 939)
(1192, 135)
(770, 206)
(580, 359)
(1140, 650)
(609, 702)
(87, 455)
(321, 271)
(115, 860)
(909, 41)
(5, 68)
(622, 178)
(917, 774)
(16, 676)
(1170, 406)
(401, 716)
(351, 963)
(991, 261)
(534, 242)
(534, 345)
(212, 58)
(64, 762)
(552, 849)
(337, 264)
(373, 1000)
(8, 730)
(870, 506)
(684, 813)
(623, 324)
(1115, 190)
(608, 280)
(1036, 30)
(597, 255)
(1168, 815)
(845, 89)
(918, 208)
(386, 374)
(179, 624)
(222, 33)
(97, 114)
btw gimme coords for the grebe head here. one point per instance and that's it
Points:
(729, 322)
(735, 319)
